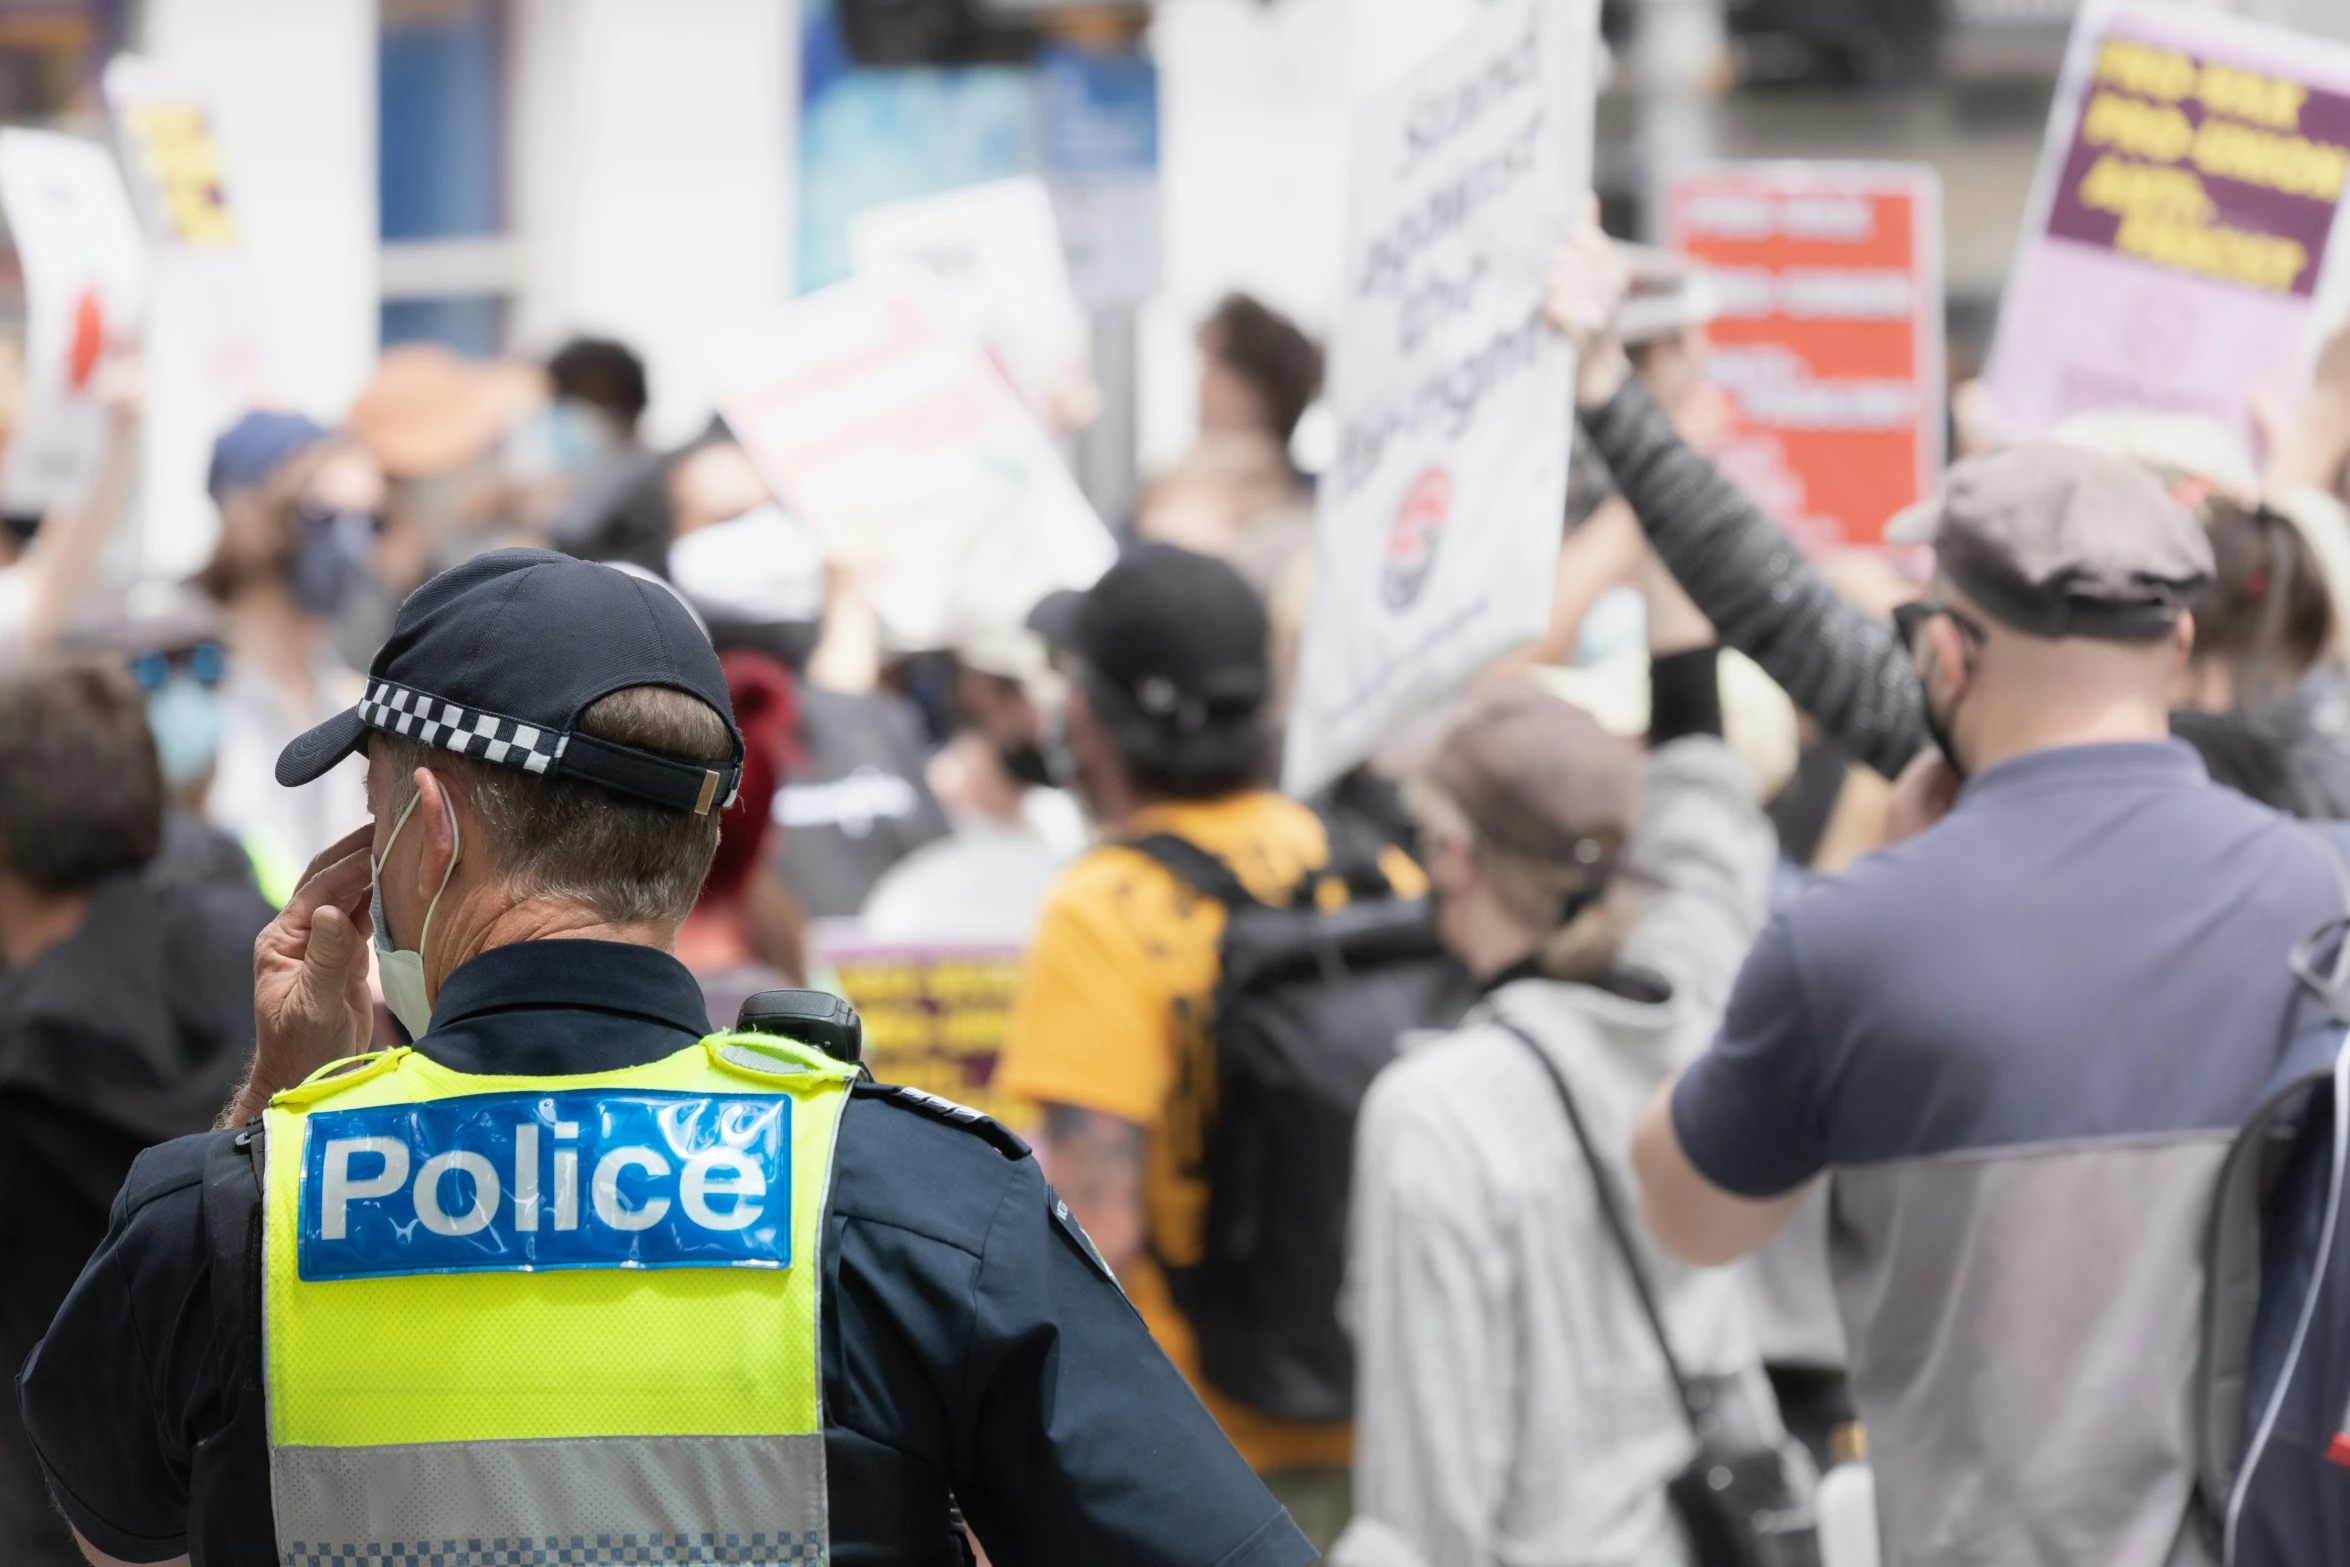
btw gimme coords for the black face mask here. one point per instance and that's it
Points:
(331, 558)
(1027, 764)
(1938, 725)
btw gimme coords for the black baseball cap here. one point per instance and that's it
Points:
(497, 658)
(1182, 637)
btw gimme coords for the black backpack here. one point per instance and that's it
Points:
(1309, 1005)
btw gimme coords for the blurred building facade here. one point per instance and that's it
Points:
(498, 174)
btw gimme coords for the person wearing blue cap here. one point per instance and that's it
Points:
(299, 515)
(570, 1277)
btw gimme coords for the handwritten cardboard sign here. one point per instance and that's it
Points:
(1438, 524)
(85, 271)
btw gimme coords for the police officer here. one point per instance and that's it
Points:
(568, 1281)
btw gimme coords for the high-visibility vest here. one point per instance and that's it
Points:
(574, 1320)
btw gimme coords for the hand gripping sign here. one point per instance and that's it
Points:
(1439, 522)
(584, 1178)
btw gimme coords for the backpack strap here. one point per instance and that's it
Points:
(2329, 982)
(1356, 849)
(1204, 873)
(1354, 860)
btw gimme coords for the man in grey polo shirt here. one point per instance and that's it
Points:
(2020, 1041)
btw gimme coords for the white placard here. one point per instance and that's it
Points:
(174, 162)
(991, 257)
(1439, 520)
(85, 281)
(894, 437)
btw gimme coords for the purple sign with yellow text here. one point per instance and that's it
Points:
(2181, 251)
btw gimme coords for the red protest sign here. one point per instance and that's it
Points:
(1829, 341)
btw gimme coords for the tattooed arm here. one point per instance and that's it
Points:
(1095, 1162)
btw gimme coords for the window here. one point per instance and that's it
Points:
(449, 262)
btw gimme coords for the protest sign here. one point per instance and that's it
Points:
(175, 167)
(2181, 250)
(1439, 520)
(85, 274)
(1829, 337)
(935, 1016)
(991, 257)
(895, 438)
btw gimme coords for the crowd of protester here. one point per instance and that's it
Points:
(1800, 996)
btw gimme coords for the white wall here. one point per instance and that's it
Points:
(293, 91)
(1255, 104)
(654, 171)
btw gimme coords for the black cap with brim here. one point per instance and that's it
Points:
(1180, 637)
(497, 658)
(1054, 619)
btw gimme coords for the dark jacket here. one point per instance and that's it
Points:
(131, 1031)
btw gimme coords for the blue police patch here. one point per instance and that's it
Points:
(587, 1178)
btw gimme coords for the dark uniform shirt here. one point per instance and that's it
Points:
(971, 1343)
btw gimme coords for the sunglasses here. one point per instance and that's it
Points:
(1910, 619)
(205, 661)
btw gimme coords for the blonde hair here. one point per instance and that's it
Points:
(1536, 891)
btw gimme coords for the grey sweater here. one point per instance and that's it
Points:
(1512, 1408)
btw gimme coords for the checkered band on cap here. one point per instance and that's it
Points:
(467, 731)
(570, 1550)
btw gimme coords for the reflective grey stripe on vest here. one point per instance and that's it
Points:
(590, 1501)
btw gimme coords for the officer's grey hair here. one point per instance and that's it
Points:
(627, 860)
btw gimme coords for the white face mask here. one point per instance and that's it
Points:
(402, 973)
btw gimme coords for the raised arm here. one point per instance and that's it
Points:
(1839, 663)
(62, 561)
(1703, 846)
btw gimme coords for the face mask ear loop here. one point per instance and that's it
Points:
(375, 868)
(456, 843)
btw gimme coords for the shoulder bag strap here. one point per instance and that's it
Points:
(1196, 868)
(1611, 1210)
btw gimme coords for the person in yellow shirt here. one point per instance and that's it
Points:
(1113, 1033)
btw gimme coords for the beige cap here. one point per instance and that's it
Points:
(1538, 776)
(2187, 445)
(2060, 542)
(429, 410)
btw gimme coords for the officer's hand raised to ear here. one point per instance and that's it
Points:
(311, 1003)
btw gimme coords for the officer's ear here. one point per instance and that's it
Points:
(436, 806)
